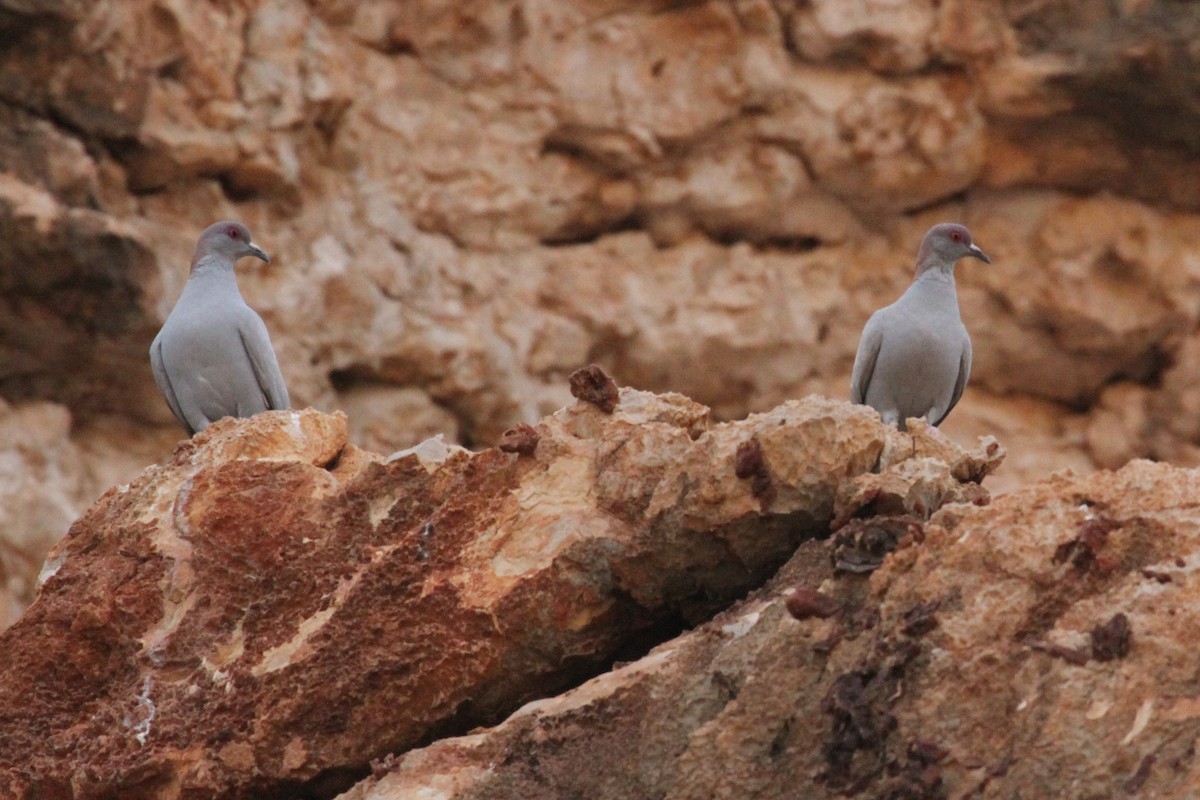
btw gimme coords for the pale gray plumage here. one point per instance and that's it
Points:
(213, 357)
(914, 356)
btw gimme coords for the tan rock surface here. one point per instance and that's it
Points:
(466, 203)
(707, 197)
(1035, 647)
(273, 608)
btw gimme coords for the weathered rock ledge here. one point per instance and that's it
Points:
(272, 609)
(1041, 646)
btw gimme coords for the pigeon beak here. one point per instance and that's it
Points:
(973, 250)
(258, 252)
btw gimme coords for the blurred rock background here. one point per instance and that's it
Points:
(466, 201)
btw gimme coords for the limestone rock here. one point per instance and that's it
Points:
(890, 36)
(1026, 426)
(72, 314)
(272, 607)
(40, 486)
(469, 202)
(472, 202)
(1034, 647)
(385, 420)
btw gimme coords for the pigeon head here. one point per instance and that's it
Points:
(945, 244)
(230, 240)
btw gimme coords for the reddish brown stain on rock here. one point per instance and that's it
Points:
(921, 619)
(862, 544)
(806, 602)
(748, 464)
(521, 439)
(748, 461)
(1072, 655)
(592, 385)
(1084, 549)
(1141, 774)
(1113, 639)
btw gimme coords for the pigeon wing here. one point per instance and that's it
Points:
(864, 359)
(164, 382)
(960, 383)
(257, 344)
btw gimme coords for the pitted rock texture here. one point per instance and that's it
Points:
(466, 203)
(272, 608)
(1036, 647)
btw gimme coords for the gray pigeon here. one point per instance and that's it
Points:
(213, 357)
(915, 355)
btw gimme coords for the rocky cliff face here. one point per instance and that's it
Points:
(271, 609)
(466, 202)
(1036, 647)
(275, 613)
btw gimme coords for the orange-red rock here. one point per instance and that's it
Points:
(272, 608)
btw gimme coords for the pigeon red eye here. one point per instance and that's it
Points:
(955, 235)
(233, 234)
